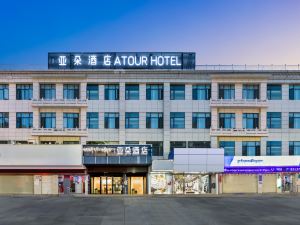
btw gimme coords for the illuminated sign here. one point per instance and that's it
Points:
(116, 150)
(122, 60)
(261, 164)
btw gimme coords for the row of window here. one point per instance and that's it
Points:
(252, 148)
(200, 120)
(25, 120)
(153, 91)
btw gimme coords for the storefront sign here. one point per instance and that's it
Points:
(261, 164)
(116, 150)
(122, 60)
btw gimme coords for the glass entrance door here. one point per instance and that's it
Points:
(137, 185)
(103, 185)
(109, 182)
(117, 185)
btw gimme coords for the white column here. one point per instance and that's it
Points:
(122, 100)
(12, 91)
(214, 118)
(239, 120)
(83, 90)
(59, 91)
(214, 90)
(35, 90)
(167, 105)
(238, 91)
(263, 118)
(263, 91)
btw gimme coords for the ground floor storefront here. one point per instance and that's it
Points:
(260, 183)
(182, 183)
(105, 180)
(42, 183)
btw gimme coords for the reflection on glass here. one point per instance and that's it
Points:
(137, 185)
(117, 185)
(109, 185)
(96, 185)
(178, 183)
(103, 185)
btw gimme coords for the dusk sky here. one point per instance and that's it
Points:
(219, 31)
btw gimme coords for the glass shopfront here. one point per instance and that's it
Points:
(166, 183)
(119, 184)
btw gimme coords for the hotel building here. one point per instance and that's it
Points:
(247, 112)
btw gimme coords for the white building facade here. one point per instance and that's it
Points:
(246, 112)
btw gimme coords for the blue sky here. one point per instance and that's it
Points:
(219, 31)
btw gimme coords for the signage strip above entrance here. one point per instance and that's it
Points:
(122, 60)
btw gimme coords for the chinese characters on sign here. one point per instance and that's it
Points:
(118, 60)
(116, 150)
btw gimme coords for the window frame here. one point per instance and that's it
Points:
(24, 92)
(174, 116)
(154, 115)
(174, 95)
(92, 117)
(93, 93)
(206, 116)
(154, 87)
(206, 88)
(128, 117)
(20, 116)
(107, 117)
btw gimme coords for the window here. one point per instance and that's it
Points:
(294, 92)
(274, 91)
(24, 92)
(229, 147)
(48, 120)
(250, 91)
(226, 120)
(177, 92)
(71, 120)
(226, 91)
(251, 148)
(92, 120)
(201, 92)
(47, 91)
(92, 91)
(111, 92)
(24, 120)
(132, 92)
(199, 144)
(4, 120)
(157, 147)
(111, 120)
(201, 120)
(154, 92)
(154, 120)
(177, 120)
(132, 120)
(71, 91)
(294, 148)
(294, 120)
(274, 120)
(250, 120)
(3, 91)
(273, 147)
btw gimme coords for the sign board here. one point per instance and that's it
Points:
(122, 60)
(116, 150)
(40, 155)
(198, 160)
(261, 164)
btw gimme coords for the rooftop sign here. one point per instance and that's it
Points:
(122, 60)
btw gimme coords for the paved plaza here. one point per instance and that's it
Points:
(150, 210)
